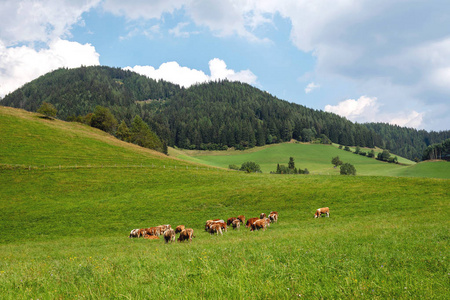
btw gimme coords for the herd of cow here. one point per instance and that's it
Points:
(216, 226)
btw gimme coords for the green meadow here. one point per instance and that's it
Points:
(65, 227)
(317, 159)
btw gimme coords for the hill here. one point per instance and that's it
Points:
(65, 230)
(209, 116)
(316, 158)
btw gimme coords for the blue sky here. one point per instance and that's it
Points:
(369, 61)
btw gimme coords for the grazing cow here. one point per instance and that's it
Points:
(241, 218)
(210, 222)
(258, 224)
(236, 224)
(169, 235)
(268, 221)
(262, 216)
(230, 220)
(179, 228)
(273, 212)
(250, 221)
(186, 234)
(322, 211)
(273, 217)
(223, 225)
(135, 233)
(151, 237)
(215, 228)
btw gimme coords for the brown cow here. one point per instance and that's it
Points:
(169, 235)
(135, 233)
(215, 228)
(236, 224)
(151, 237)
(273, 217)
(230, 220)
(258, 224)
(322, 211)
(179, 228)
(186, 234)
(262, 216)
(250, 221)
(210, 222)
(241, 218)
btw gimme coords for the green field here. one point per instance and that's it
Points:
(65, 229)
(317, 159)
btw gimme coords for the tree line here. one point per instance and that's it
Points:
(209, 116)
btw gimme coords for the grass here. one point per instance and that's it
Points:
(316, 158)
(65, 231)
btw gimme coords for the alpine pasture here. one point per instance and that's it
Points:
(70, 196)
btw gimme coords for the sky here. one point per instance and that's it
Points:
(369, 61)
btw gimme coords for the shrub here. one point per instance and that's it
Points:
(233, 167)
(336, 161)
(347, 148)
(250, 167)
(47, 109)
(348, 169)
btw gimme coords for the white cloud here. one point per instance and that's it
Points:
(19, 65)
(364, 108)
(310, 87)
(142, 9)
(184, 76)
(39, 21)
(177, 31)
(367, 109)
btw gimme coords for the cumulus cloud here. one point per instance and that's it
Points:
(19, 65)
(367, 109)
(310, 87)
(363, 108)
(39, 21)
(184, 76)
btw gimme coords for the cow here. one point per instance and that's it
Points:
(262, 216)
(179, 228)
(215, 228)
(322, 211)
(250, 221)
(186, 234)
(169, 235)
(259, 224)
(135, 233)
(223, 225)
(165, 227)
(268, 221)
(241, 218)
(273, 212)
(151, 237)
(153, 231)
(210, 222)
(236, 224)
(230, 220)
(273, 217)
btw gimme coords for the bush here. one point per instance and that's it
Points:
(336, 161)
(347, 148)
(371, 154)
(47, 109)
(348, 169)
(233, 167)
(250, 167)
(362, 153)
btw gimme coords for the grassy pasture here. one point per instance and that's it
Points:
(65, 231)
(316, 158)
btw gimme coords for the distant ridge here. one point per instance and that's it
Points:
(213, 115)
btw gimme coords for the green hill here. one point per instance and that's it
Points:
(65, 231)
(317, 159)
(208, 116)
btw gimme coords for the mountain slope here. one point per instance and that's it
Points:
(26, 139)
(212, 116)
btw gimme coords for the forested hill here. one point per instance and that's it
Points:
(78, 91)
(213, 115)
